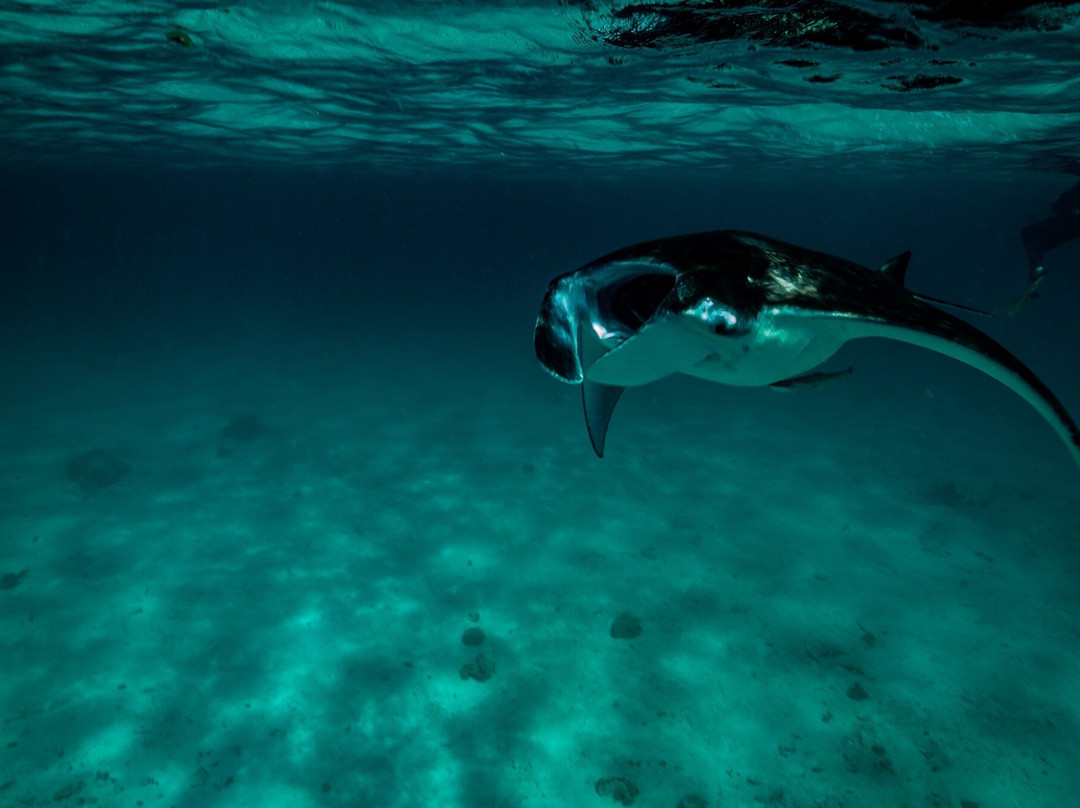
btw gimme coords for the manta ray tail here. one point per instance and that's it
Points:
(896, 270)
(951, 305)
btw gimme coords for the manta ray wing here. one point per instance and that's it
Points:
(917, 323)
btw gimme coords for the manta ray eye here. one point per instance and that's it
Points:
(634, 302)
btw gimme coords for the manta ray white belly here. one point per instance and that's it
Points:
(778, 347)
(781, 344)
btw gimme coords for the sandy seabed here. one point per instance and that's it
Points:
(863, 595)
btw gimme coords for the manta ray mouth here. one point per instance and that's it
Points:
(636, 300)
(584, 315)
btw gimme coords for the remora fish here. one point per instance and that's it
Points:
(811, 380)
(744, 309)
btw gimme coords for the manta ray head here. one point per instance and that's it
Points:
(590, 312)
(604, 307)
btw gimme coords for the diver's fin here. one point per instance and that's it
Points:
(1013, 308)
(599, 401)
(896, 268)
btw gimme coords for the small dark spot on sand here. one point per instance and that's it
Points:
(857, 693)
(10, 580)
(242, 428)
(618, 788)
(96, 469)
(472, 637)
(626, 627)
(67, 792)
(481, 669)
(692, 801)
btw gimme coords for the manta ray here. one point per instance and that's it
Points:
(744, 309)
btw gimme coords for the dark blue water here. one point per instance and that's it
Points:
(273, 435)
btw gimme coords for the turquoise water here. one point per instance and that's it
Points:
(509, 87)
(273, 436)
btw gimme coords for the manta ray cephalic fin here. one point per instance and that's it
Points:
(599, 401)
